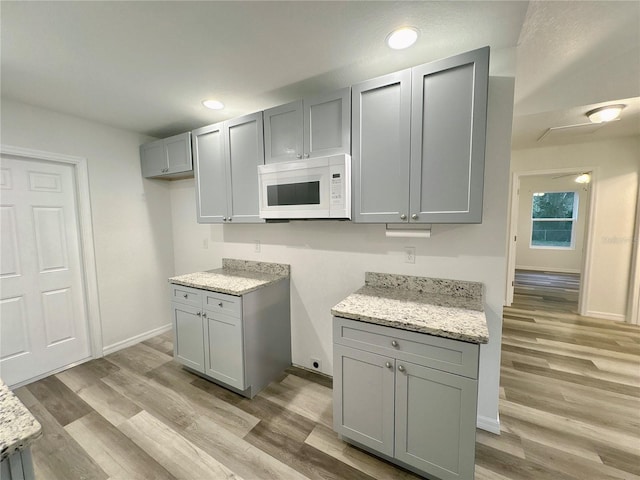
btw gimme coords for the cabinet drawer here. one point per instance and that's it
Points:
(186, 295)
(440, 353)
(222, 303)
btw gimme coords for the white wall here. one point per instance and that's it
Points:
(616, 166)
(131, 216)
(550, 259)
(328, 259)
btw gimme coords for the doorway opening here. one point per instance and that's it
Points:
(548, 261)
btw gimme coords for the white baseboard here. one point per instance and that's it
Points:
(547, 269)
(491, 425)
(133, 340)
(617, 317)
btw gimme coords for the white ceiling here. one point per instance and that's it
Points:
(146, 66)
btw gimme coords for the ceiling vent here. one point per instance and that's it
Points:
(569, 131)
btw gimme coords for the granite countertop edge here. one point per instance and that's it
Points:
(18, 427)
(220, 289)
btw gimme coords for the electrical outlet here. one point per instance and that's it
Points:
(409, 254)
(205, 243)
(256, 246)
(315, 363)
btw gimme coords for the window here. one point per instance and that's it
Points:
(553, 216)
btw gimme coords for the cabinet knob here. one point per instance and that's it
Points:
(414, 216)
(403, 217)
(388, 365)
(298, 156)
(224, 219)
(204, 314)
(199, 314)
(394, 343)
(230, 218)
(401, 368)
(186, 296)
(306, 155)
(220, 304)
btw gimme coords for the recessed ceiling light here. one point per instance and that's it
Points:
(605, 114)
(213, 104)
(402, 38)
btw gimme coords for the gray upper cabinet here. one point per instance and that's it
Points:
(314, 127)
(227, 155)
(381, 154)
(211, 173)
(283, 132)
(327, 124)
(448, 130)
(167, 158)
(419, 142)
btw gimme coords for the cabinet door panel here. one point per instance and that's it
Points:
(327, 124)
(188, 345)
(381, 140)
(448, 138)
(363, 398)
(210, 173)
(283, 132)
(179, 153)
(246, 151)
(225, 353)
(435, 421)
(153, 158)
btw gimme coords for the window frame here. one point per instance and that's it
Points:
(573, 220)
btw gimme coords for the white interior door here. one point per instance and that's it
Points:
(43, 324)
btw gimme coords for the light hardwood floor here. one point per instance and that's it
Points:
(569, 409)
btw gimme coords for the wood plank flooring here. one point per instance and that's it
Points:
(549, 290)
(569, 409)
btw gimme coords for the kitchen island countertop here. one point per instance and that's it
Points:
(18, 427)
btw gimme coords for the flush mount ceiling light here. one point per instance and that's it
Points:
(583, 178)
(605, 114)
(402, 38)
(213, 104)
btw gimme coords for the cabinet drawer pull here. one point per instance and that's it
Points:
(199, 314)
(394, 343)
(401, 368)
(388, 365)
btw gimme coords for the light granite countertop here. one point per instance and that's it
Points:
(444, 308)
(18, 428)
(236, 277)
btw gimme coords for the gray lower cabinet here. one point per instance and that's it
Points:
(317, 126)
(227, 155)
(407, 396)
(18, 466)
(419, 143)
(167, 158)
(241, 342)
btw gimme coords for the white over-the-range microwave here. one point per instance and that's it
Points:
(314, 188)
